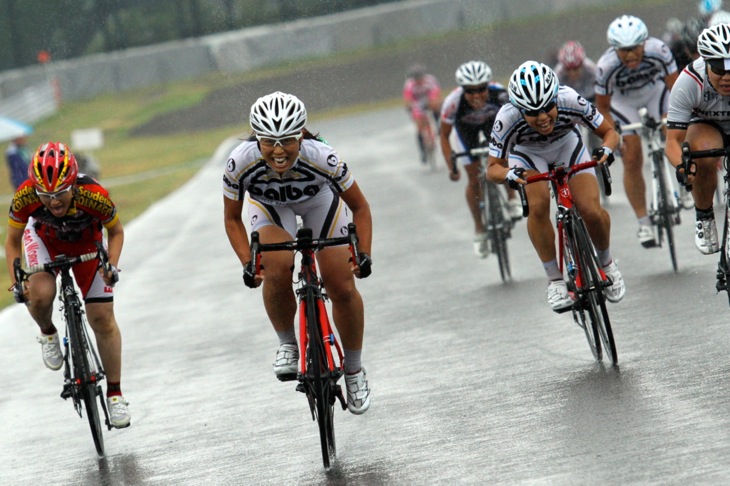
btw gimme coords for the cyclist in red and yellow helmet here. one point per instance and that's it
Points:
(58, 210)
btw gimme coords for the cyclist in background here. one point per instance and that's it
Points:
(636, 71)
(59, 211)
(698, 114)
(422, 94)
(288, 172)
(533, 133)
(470, 110)
(576, 70)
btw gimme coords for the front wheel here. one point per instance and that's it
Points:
(497, 224)
(322, 394)
(90, 390)
(594, 284)
(665, 212)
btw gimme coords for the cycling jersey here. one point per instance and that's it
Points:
(615, 79)
(511, 130)
(310, 188)
(693, 98)
(585, 85)
(418, 94)
(76, 233)
(90, 209)
(468, 121)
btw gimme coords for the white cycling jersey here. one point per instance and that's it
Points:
(615, 79)
(309, 189)
(510, 128)
(693, 98)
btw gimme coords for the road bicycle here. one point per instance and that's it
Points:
(82, 369)
(427, 138)
(723, 266)
(578, 259)
(321, 358)
(665, 204)
(494, 211)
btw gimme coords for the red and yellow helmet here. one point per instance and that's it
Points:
(53, 167)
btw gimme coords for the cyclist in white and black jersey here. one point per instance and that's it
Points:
(532, 134)
(288, 172)
(637, 71)
(466, 112)
(699, 113)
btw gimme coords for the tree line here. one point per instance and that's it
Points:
(33, 31)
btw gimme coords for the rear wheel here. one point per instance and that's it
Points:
(321, 390)
(90, 390)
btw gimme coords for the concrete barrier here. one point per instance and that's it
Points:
(248, 49)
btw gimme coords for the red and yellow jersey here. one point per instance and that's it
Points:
(90, 209)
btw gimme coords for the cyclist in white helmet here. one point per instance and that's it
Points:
(532, 133)
(699, 114)
(288, 172)
(466, 112)
(637, 71)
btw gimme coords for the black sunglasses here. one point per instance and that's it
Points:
(544, 109)
(479, 89)
(718, 70)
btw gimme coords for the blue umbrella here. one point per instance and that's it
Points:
(11, 129)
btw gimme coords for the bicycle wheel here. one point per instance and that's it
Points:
(665, 212)
(576, 283)
(723, 272)
(593, 286)
(318, 370)
(83, 371)
(497, 226)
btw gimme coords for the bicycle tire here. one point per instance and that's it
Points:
(498, 224)
(665, 221)
(723, 272)
(317, 368)
(596, 300)
(575, 266)
(82, 370)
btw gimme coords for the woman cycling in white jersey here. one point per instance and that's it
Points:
(288, 172)
(636, 71)
(699, 113)
(530, 135)
(470, 110)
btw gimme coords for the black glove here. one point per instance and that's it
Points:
(113, 273)
(682, 177)
(249, 275)
(18, 294)
(598, 153)
(366, 265)
(512, 176)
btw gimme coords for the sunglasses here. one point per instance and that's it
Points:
(478, 89)
(47, 196)
(544, 109)
(629, 49)
(718, 70)
(285, 142)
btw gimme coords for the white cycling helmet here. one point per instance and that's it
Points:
(627, 31)
(719, 17)
(714, 42)
(532, 86)
(473, 73)
(707, 7)
(278, 115)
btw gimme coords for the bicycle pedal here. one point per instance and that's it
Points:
(287, 377)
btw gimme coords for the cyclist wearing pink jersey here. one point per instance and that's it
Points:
(422, 96)
(57, 211)
(536, 130)
(637, 71)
